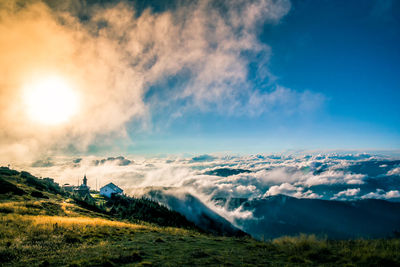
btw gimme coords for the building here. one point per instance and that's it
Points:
(69, 188)
(109, 189)
(83, 189)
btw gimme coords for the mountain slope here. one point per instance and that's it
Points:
(195, 211)
(283, 215)
(40, 226)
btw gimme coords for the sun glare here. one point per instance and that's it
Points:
(50, 100)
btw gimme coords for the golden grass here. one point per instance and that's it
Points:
(78, 222)
(74, 223)
(28, 239)
(33, 216)
(71, 222)
(19, 207)
(68, 208)
(8, 204)
(43, 221)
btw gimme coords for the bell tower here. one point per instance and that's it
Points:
(85, 180)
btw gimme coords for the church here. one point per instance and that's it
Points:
(83, 189)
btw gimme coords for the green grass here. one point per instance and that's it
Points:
(70, 239)
(55, 231)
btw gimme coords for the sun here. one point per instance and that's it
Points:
(50, 100)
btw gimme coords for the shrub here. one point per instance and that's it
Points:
(52, 208)
(6, 210)
(38, 194)
(71, 238)
(7, 187)
(6, 255)
(146, 210)
(7, 171)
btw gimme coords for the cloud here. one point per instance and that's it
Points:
(347, 194)
(38, 42)
(255, 176)
(42, 163)
(120, 61)
(319, 176)
(120, 161)
(392, 194)
(278, 97)
(381, 194)
(284, 188)
(290, 190)
(394, 171)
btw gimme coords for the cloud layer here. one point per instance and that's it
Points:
(215, 179)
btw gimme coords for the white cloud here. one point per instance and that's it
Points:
(290, 190)
(347, 194)
(395, 171)
(269, 176)
(285, 188)
(381, 194)
(117, 54)
(393, 194)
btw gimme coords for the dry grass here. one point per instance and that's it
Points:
(74, 222)
(62, 240)
(26, 238)
(32, 207)
(59, 233)
(17, 207)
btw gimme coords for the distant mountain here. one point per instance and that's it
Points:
(225, 172)
(283, 215)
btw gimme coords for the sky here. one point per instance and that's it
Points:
(193, 77)
(347, 52)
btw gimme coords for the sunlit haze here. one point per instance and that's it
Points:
(175, 77)
(50, 100)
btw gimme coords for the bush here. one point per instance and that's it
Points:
(6, 255)
(7, 171)
(72, 238)
(46, 184)
(38, 194)
(6, 210)
(146, 210)
(33, 181)
(7, 187)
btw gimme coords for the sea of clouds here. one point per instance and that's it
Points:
(212, 177)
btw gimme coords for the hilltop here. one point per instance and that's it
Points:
(43, 225)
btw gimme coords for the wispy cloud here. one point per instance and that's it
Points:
(121, 61)
(394, 171)
(290, 190)
(347, 194)
(381, 194)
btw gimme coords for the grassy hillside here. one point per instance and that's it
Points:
(48, 228)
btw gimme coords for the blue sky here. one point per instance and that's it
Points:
(207, 76)
(347, 51)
